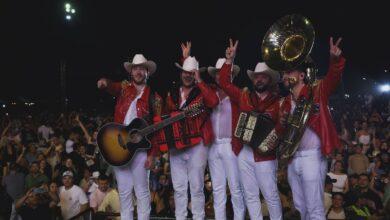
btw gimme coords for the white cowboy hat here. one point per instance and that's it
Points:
(139, 59)
(263, 68)
(213, 70)
(190, 64)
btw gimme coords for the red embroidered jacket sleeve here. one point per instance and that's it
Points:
(210, 98)
(227, 86)
(333, 76)
(114, 88)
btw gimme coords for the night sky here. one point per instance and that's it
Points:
(103, 34)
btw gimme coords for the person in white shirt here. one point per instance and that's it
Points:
(45, 132)
(223, 163)
(133, 100)
(307, 167)
(72, 198)
(341, 184)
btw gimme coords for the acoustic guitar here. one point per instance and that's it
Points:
(119, 143)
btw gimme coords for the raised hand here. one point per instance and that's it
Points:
(186, 49)
(197, 76)
(77, 118)
(231, 51)
(335, 51)
(102, 83)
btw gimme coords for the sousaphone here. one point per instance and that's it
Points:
(287, 45)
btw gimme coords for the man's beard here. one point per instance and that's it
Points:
(291, 82)
(260, 88)
(188, 79)
(140, 82)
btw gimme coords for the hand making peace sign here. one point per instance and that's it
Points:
(186, 49)
(335, 51)
(231, 51)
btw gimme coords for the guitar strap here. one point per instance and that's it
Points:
(193, 94)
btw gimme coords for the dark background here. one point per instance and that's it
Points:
(35, 37)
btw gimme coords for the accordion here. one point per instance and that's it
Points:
(256, 130)
(181, 134)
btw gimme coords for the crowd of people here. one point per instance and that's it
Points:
(52, 168)
(40, 156)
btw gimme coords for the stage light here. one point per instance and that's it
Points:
(384, 88)
(364, 78)
(69, 11)
(4, 106)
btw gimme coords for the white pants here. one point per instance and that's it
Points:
(306, 176)
(188, 165)
(134, 175)
(255, 176)
(14, 214)
(223, 165)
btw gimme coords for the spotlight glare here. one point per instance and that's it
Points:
(68, 17)
(384, 88)
(73, 11)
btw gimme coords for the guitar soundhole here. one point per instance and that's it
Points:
(135, 137)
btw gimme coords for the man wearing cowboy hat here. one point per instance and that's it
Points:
(257, 171)
(188, 154)
(308, 167)
(222, 159)
(134, 100)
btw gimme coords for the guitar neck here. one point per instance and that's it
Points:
(155, 127)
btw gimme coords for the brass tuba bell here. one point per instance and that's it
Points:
(288, 42)
(287, 45)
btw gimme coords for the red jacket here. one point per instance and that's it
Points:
(243, 101)
(206, 96)
(321, 121)
(125, 93)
